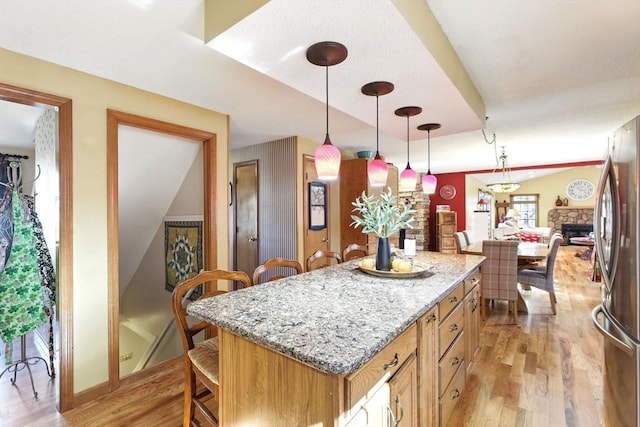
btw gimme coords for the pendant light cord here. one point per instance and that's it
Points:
(377, 128)
(428, 152)
(326, 68)
(407, 140)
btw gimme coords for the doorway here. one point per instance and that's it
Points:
(125, 152)
(63, 185)
(245, 214)
(314, 239)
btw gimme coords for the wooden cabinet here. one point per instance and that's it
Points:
(403, 387)
(385, 389)
(428, 356)
(416, 380)
(472, 320)
(451, 352)
(446, 224)
(353, 181)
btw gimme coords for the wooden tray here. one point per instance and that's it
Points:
(418, 270)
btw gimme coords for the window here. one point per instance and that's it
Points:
(527, 206)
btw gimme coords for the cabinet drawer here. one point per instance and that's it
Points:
(385, 363)
(447, 242)
(450, 363)
(450, 328)
(447, 229)
(471, 281)
(452, 395)
(450, 302)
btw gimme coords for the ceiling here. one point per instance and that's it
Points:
(555, 77)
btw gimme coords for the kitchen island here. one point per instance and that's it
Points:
(304, 350)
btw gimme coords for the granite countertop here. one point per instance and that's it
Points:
(337, 318)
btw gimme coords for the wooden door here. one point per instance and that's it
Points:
(313, 239)
(245, 213)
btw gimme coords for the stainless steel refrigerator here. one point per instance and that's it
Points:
(616, 226)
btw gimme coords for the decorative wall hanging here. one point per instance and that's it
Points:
(183, 250)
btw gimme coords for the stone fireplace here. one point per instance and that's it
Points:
(568, 215)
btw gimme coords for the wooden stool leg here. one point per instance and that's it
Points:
(552, 299)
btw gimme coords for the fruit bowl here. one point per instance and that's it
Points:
(417, 270)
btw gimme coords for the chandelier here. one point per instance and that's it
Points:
(503, 182)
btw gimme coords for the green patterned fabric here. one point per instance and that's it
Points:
(21, 296)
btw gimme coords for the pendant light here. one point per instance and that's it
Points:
(503, 183)
(408, 177)
(327, 157)
(429, 182)
(377, 170)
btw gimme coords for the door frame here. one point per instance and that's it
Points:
(208, 139)
(65, 252)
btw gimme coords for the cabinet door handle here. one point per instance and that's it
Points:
(453, 327)
(474, 280)
(431, 318)
(393, 363)
(455, 394)
(252, 239)
(453, 300)
(455, 361)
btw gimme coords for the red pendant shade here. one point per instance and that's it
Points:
(408, 177)
(327, 157)
(429, 182)
(377, 170)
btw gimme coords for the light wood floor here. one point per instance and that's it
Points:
(545, 371)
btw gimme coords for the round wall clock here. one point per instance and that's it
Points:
(447, 192)
(580, 189)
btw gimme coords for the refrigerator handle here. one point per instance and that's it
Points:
(608, 270)
(623, 343)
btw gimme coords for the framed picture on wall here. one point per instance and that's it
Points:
(183, 250)
(317, 205)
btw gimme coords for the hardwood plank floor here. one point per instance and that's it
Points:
(545, 371)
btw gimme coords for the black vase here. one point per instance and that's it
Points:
(383, 254)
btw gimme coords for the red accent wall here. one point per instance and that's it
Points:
(457, 204)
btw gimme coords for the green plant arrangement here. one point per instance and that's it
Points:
(381, 214)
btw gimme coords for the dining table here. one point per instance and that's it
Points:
(529, 253)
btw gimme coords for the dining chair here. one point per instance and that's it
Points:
(322, 258)
(282, 265)
(500, 274)
(542, 277)
(460, 241)
(201, 359)
(353, 251)
(468, 237)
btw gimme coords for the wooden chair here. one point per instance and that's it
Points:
(282, 264)
(321, 259)
(200, 360)
(354, 251)
(541, 277)
(500, 274)
(460, 241)
(468, 237)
